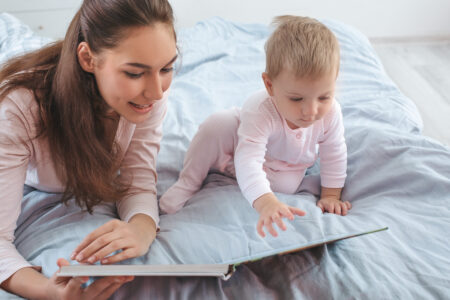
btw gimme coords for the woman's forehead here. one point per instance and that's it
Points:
(150, 45)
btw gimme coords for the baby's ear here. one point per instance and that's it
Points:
(85, 57)
(267, 83)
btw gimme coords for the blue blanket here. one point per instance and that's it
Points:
(396, 178)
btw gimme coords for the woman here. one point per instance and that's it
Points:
(83, 116)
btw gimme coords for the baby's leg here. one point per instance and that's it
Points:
(211, 148)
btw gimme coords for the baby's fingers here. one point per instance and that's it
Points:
(337, 208)
(320, 205)
(286, 212)
(343, 208)
(259, 227)
(348, 204)
(297, 211)
(279, 222)
(269, 226)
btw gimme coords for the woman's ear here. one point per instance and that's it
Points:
(267, 83)
(85, 57)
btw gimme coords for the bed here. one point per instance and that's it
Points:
(396, 178)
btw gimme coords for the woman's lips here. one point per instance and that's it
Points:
(141, 108)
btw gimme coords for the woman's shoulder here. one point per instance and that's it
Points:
(19, 109)
(20, 99)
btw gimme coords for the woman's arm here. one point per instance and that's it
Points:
(136, 230)
(17, 128)
(31, 284)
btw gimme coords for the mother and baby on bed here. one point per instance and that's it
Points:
(83, 117)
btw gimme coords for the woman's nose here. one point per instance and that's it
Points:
(153, 89)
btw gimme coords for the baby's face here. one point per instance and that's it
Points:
(301, 101)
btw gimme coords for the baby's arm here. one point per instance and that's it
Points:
(271, 210)
(258, 123)
(330, 201)
(333, 163)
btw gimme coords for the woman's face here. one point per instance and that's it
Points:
(134, 75)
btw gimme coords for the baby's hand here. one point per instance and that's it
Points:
(272, 210)
(334, 206)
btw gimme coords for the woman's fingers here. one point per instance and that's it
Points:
(106, 293)
(61, 280)
(125, 254)
(102, 230)
(104, 287)
(74, 285)
(88, 254)
(110, 248)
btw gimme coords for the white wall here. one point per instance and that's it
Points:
(375, 18)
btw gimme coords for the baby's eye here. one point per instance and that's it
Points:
(133, 75)
(324, 98)
(296, 99)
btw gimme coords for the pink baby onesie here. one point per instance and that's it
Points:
(268, 155)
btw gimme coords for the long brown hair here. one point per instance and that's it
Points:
(72, 112)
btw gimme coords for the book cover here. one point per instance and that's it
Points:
(223, 270)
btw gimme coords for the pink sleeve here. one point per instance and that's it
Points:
(333, 150)
(15, 151)
(139, 165)
(254, 131)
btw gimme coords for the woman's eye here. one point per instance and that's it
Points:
(133, 75)
(167, 70)
(296, 99)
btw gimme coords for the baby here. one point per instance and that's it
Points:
(279, 132)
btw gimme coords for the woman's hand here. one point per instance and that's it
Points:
(272, 210)
(71, 287)
(133, 238)
(334, 206)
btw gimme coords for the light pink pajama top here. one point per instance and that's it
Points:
(267, 143)
(25, 161)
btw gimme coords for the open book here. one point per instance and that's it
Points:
(223, 271)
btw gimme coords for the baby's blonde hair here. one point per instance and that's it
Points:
(303, 45)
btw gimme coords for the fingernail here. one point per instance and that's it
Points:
(72, 256)
(104, 261)
(80, 257)
(91, 259)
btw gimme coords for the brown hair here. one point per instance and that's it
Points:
(72, 112)
(303, 45)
